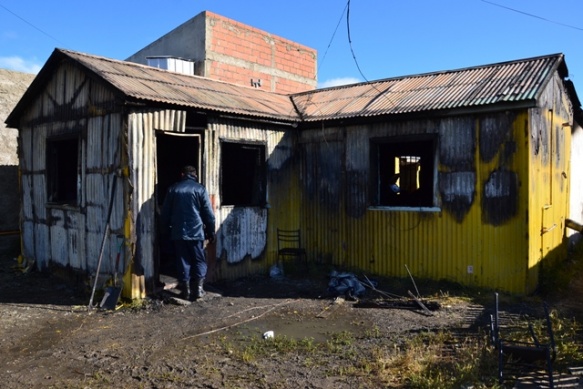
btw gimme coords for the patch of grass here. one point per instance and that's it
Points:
(341, 344)
(428, 359)
(440, 360)
(255, 347)
(567, 335)
(373, 333)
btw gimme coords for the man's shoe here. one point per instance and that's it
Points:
(199, 290)
(186, 291)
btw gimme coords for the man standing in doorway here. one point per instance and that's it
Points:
(188, 214)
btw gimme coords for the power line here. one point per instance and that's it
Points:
(382, 94)
(333, 34)
(532, 15)
(30, 24)
(350, 39)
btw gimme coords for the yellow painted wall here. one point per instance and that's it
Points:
(432, 243)
(283, 199)
(548, 186)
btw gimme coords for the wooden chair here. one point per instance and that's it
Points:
(289, 245)
(523, 356)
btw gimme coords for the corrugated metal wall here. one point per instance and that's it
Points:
(501, 190)
(101, 158)
(245, 234)
(141, 148)
(550, 170)
(476, 234)
(71, 235)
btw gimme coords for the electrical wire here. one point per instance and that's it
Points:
(531, 15)
(30, 24)
(350, 39)
(332, 38)
(382, 94)
(309, 100)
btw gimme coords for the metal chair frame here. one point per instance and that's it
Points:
(289, 244)
(520, 355)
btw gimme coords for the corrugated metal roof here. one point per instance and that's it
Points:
(156, 85)
(507, 82)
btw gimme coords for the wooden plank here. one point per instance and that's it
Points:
(425, 309)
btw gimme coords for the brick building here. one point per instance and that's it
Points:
(216, 47)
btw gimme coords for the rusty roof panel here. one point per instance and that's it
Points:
(505, 82)
(513, 81)
(152, 84)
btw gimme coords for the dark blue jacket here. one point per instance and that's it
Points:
(187, 211)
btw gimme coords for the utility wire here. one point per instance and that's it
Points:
(334, 34)
(30, 24)
(532, 15)
(383, 94)
(350, 39)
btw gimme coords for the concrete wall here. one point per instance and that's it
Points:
(12, 86)
(226, 50)
(185, 41)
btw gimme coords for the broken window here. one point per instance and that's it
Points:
(243, 181)
(62, 170)
(403, 172)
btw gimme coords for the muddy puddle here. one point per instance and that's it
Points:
(319, 330)
(326, 321)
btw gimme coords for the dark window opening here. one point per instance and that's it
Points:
(62, 170)
(243, 180)
(405, 173)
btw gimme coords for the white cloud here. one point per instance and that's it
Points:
(338, 82)
(19, 64)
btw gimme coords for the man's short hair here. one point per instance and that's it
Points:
(190, 170)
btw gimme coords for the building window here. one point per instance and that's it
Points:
(243, 174)
(62, 170)
(403, 172)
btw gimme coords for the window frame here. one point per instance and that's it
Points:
(424, 147)
(62, 176)
(236, 185)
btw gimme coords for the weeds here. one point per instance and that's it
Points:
(428, 359)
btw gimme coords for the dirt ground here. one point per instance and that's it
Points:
(49, 337)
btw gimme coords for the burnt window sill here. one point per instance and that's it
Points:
(401, 208)
(64, 206)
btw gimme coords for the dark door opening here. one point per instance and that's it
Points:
(173, 151)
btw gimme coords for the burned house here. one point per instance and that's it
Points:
(95, 132)
(462, 175)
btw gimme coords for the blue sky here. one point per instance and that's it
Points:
(384, 38)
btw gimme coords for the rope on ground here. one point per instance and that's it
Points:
(248, 309)
(239, 323)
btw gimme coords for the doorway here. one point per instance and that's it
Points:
(173, 151)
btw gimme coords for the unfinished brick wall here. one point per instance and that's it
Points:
(240, 54)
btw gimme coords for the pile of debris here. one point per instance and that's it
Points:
(350, 287)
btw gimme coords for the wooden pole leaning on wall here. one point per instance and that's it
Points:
(573, 225)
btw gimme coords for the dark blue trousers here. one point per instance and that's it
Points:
(190, 257)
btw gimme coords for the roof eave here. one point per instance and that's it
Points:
(479, 109)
